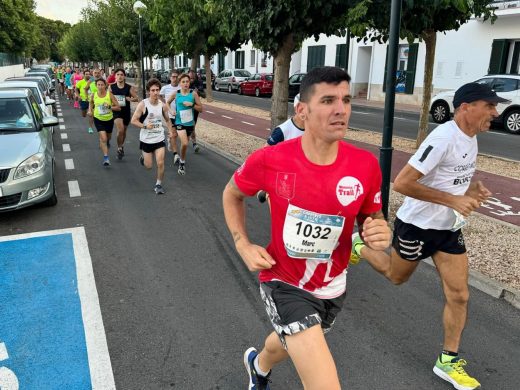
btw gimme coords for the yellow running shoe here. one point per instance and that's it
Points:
(454, 373)
(357, 244)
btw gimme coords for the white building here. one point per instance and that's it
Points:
(478, 48)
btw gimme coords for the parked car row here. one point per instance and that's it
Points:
(258, 84)
(27, 173)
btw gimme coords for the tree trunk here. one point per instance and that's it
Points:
(430, 39)
(195, 60)
(207, 66)
(282, 62)
(150, 73)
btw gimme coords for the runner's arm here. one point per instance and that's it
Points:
(374, 230)
(167, 119)
(115, 103)
(90, 106)
(133, 95)
(255, 257)
(198, 104)
(169, 102)
(407, 183)
(137, 115)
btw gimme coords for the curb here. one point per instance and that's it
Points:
(476, 279)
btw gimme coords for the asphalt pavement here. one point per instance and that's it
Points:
(180, 308)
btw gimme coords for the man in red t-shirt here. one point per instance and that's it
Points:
(112, 77)
(319, 186)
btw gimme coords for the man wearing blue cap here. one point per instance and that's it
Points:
(439, 195)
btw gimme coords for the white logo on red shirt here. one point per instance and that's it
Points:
(377, 198)
(285, 183)
(348, 190)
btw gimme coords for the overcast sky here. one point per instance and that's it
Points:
(65, 10)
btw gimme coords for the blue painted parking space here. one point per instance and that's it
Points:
(45, 342)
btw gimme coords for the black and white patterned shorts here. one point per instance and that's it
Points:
(292, 310)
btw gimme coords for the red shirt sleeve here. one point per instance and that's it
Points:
(249, 177)
(372, 202)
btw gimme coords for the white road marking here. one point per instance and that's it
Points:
(60, 114)
(3, 352)
(100, 366)
(66, 147)
(69, 164)
(268, 129)
(209, 112)
(228, 117)
(62, 127)
(74, 191)
(64, 135)
(61, 120)
(247, 123)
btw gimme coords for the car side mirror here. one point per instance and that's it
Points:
(49, 121)
(49, 101)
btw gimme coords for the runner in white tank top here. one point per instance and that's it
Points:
(150, 116)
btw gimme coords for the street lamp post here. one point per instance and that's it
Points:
(139, 8)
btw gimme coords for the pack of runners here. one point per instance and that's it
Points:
(105, 103)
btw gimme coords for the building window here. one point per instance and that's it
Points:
(458, 69)
(239, 59)
(252, 61)
(504, 57)
(341, 56)
(406, 66)
(316, 57)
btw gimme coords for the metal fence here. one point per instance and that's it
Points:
(10, 59)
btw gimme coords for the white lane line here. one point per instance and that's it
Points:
(59, 110)
(224, 116)
(60, 114)
(74, 191)
(66, 147)
(247, 123)
(209, 112)
(69, 164)
(62, 127)
(64, 136)
(61, 120)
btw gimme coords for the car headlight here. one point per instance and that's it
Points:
(30, 166)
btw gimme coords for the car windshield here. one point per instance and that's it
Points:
(242, 73)
(16, 115)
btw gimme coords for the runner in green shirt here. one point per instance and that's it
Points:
(81, 90)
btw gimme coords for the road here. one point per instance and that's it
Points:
(179, 307)
(496, 142)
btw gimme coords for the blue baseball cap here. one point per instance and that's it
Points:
(472, 92)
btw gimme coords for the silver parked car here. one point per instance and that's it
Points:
(26, 152)
(45, 102)
(229, 79)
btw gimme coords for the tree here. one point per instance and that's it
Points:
(17, 21)
(49, 34)
(279, 27)
(420, 19)
(195, 27)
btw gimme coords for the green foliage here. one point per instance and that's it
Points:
(370, 19)
(193, 26)
(269, 22)
(17, 21)
(49, 34)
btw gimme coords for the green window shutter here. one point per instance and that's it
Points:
(410, 70)
(386, 64)
(498, 60)
(315, 57)
(340, 55)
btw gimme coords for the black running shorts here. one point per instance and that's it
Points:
(188, 129)
(123, 114)
(150, 148)
(107, 126)
(292, 310)
(413, 243)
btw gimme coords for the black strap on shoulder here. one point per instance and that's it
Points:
(144, 115)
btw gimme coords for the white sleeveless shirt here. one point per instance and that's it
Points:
(155, 117)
